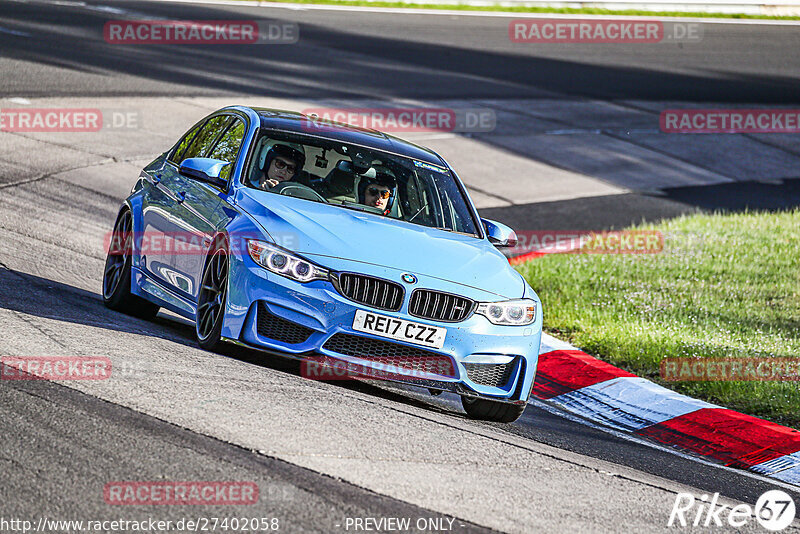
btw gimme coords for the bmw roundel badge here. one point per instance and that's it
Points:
(409, 278)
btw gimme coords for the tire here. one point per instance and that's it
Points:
(212, 298)
(117, 273)
(487, 410)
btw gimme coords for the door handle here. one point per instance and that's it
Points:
(157, 179)
(181, 197)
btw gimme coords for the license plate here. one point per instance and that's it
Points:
(400, 329)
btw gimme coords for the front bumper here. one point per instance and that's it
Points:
(323, 320)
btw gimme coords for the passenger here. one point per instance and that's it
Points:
(283, 163)
(378, 192)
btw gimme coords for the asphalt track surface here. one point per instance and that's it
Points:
(347, 56)
(322, 452)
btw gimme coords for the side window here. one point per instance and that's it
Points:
(185, 142)
(202, 142)
(227, 147)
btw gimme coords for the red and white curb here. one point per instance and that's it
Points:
(599, 392)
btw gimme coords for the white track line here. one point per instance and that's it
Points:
(14, 32)
(465, 13)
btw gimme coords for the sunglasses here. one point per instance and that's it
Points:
(281, 165)
(374, 191)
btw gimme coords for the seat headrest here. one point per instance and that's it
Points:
(340, 179)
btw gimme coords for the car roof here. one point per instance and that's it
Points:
(295, 122)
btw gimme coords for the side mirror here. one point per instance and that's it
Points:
(499, 234)
(205, 170)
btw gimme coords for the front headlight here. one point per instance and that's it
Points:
(281, 262)
(509, 312)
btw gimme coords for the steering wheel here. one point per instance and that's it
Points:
(297, 190)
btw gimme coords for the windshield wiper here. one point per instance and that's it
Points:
(351, 207)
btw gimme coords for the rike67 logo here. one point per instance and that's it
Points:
(774, 510)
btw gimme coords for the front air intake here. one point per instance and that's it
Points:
(439, 306)
(494, 375)
(271, 326)
(370, 291)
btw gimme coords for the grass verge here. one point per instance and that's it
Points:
(524, 9)
(725, 285)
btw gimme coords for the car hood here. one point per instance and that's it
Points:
(326, 233)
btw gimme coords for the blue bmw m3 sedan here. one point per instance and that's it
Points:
(325, 241)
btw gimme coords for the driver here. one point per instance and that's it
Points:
(283, 162)
(378, 192)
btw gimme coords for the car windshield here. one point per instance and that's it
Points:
(359, 178)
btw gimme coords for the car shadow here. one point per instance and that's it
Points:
(48, 299)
